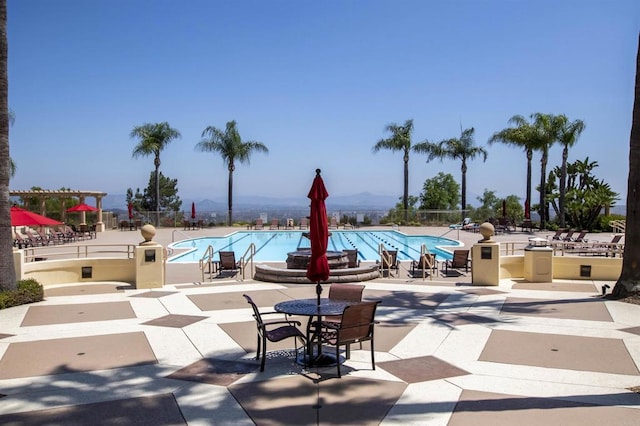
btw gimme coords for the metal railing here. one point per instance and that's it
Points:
(207, 264)
(33, 254)
(244, 260)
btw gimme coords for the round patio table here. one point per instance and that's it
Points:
(310, 308)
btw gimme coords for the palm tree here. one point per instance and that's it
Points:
(569, 134)
(154, 137)
(545, 131)
(518, 136)
(231, 148)
(629, 281)
(400, 140)
(463, 149)
(7, 269)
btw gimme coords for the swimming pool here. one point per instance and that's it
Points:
(273, 246)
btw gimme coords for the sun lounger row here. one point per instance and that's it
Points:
(53, 236)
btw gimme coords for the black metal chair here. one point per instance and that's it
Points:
(284, 329)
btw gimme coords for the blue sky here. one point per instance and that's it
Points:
(316, 82)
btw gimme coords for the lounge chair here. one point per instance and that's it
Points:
(465, 221)
(352, 256)
(259, 224)
(558, 235)
(388, 262)
(304, 223)
(580, 238)
(569, 235)
(427, 263)
(275, 224)
(357, 325)
(284, 329)
(459, 260)
(228, 262)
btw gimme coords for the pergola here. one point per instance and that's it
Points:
(43, 194)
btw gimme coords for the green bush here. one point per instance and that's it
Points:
(28, 291)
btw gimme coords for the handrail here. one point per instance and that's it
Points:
(618, 226)
(425, 260)
(32, 254)
(385, 259)
(251, 250)
(206, 261)
(173, 233)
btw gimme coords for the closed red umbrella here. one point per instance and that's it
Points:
(193, 210)
(318, 269)
(22, 217)
(130, 208)
(82, 207)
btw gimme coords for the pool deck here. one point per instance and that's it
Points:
(447, 353)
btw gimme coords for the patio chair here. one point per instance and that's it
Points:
(304, 223)
(259, 224)
(348, 292)
(352, 256)
(388, 262)
(426, 263)
(284, 329)
(357, 325)
(275, 224)
(459, 260)
(228, 262)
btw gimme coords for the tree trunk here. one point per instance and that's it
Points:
(7, 269)
(563, 186)
(230, 196)
(528, 199)
(463, 188)
(405, 195)
(629, 281)
(157, 194)
(543, 189)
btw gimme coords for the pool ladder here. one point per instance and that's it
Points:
(208, 266)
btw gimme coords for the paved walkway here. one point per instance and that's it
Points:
(446, 352)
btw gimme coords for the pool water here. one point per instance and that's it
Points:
(273, 246)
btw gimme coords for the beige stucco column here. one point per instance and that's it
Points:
(149, 257)
(99, 225)
(485, 258)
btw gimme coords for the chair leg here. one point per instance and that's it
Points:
(338, 360)
(373, 361)
(264, 353)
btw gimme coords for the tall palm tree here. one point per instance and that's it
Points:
(629, 281)
(231, 148)
(400, 140)
(518, 136)
(7, 269)
(154, 137)
(462, 148)
(569, 133)
(545, 130)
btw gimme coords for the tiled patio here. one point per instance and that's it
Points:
(446, 353)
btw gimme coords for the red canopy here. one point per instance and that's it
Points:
(22, 217)
(82, 207)
(193, 210)
(318, 269)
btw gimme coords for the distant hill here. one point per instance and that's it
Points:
(361, 201)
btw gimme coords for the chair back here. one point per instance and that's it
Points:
(357, 322)
(459, 258)
(256, 311)
(227, 259)
(427, 261)
(616, 239)
(348, 292)
(352, 256)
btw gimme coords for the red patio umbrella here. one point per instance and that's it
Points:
(193, 210)
(22, 217)
(318, 269)
(82, 207)
(130, 208)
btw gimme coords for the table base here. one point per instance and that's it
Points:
(322, 360)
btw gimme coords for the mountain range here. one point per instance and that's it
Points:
(361, 201)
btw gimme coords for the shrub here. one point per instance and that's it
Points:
(28, 291)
